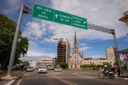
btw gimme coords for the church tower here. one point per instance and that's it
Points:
(75, 46)
(76, 60)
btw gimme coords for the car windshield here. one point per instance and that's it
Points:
(41, 67)
(29, 67)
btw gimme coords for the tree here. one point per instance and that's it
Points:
(62, 64)
(7, 31)
(89, 58)
(26, 63)
(109, 66)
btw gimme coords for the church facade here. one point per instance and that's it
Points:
(76, 59)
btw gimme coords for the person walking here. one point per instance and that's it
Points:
(118, 70)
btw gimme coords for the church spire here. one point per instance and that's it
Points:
(75, 40)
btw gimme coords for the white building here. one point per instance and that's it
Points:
(47, 62)
(96, 62)
(110, 54)
(32, 63)
(76, 59)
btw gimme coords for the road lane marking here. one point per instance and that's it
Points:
(64, 81)
(10, 82)
(67, 82)
(18, 82)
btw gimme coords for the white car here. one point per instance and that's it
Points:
(42, 70)
(58, 69)
(29, 69)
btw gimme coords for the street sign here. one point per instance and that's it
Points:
(58, 16)
(42, 12)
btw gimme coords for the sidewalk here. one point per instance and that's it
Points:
(10, 81)
(4, 82)
(125, 75)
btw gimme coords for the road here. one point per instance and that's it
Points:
(67, 78)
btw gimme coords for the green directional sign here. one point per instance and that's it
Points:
(58, 16)
(62, 17)
(42, 12)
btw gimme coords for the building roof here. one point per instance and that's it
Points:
(125, 51)
(125, 17)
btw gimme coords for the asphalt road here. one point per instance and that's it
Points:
(67, 78)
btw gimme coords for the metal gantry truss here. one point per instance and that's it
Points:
(110, 31)
(100, 28)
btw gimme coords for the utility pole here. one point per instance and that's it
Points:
(23, 9)
(110, 31)
(116, 49)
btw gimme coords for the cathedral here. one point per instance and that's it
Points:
(76, 59)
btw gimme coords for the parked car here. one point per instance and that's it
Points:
(42, 70)
(29, 69)
(50, 68)
(58, 69)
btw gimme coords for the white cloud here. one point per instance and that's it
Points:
(82, 44)
(84, 48)
(95, 56)
(36, 53)
(34, 30)
(99, 12)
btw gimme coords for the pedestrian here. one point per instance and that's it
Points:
(118, 70)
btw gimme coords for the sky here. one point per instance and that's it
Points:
(41, 33)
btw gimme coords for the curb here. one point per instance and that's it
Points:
(125, 78)
(14, 81)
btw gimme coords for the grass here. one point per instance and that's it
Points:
(14, 73)
(17, 73)
(2, 73)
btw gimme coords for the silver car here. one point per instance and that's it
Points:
(42, 70)
(58, 69)
(29, 69)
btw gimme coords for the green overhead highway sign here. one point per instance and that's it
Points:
(58, 16)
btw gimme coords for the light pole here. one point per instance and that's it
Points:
(23, 10)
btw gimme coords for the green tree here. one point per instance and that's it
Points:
(62, 64)
(25, 63)
(109, 66)
(7, 31)
(89, 58)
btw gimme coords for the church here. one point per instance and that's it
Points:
(76, 59)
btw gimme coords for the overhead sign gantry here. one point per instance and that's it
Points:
(53, 15)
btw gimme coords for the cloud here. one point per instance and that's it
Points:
(37, 53)
(95, 56)
(99, 12)
(84, 48)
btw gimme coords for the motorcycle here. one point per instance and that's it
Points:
(104, 74)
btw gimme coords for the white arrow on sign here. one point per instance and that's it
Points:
(56, 15)
(84, 22)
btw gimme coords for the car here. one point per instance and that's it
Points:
(50, 68)
(42, 70)
(58, 69)
(29, 69)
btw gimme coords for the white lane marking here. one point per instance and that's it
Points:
(10, 82)
(18, 82)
